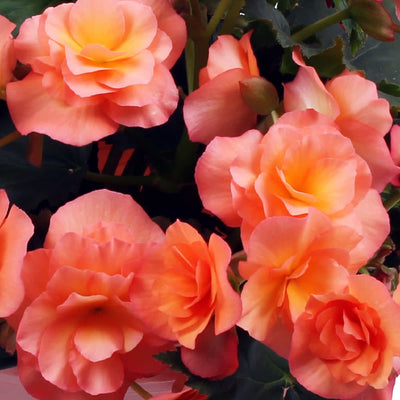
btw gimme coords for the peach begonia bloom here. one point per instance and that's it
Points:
(303, 161)
(353, 103)
(96, 64)
(345, 343)
(16, 229)
(78, 335)
(184, 286)
(7, 54)
(288, 259)
(217, 108)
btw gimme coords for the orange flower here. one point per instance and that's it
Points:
(97, 64)
(15, 231)
(217, 108)
(344, 343)
(353, 103)
(303, 161)
(78, 335)
(7, 54)
(184, 286)
(288, 259)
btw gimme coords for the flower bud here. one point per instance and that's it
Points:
(259, 94)
(373, 19)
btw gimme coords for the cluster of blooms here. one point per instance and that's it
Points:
(109, 289)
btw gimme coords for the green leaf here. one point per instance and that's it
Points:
(261, 375)
(261, 10)
(388, 87)
(60, 174)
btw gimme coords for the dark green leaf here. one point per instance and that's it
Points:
(388, 87)
(261, 375)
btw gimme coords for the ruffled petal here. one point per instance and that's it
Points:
(213, 177)
(218, 109)
(34, 110)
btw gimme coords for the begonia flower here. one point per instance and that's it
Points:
(184, 286)
(353, 103)
(7, 54)
(344, 343)
(78, 335)
(96, 64)
(303, 161)
(288, 259)
(16, 229)
(217, 107)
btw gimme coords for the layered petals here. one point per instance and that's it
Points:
(191, 282)
(353, 103)
(288, 259)
(344, 343)
(302, 162)
(83, 54)
(77, 331)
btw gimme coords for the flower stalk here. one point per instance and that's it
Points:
(323, 23)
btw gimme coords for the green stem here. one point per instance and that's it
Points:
(9, 138)
(232, 16)
(185, 159)
(321, 24)
(274, 116)
(144, 394)
(149, 180)
(392, 200)
(195, 9)
(217, 17)
(397, 28)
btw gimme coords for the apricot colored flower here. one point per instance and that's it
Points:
(16, 229)
(78, 335)
(185, 286)
(7, 54)
(288, 259)
(303, 161)
(96, 64)
(344, 343)
(217, 107)
(353, 103)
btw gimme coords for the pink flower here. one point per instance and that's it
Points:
(78, 335)
(343, 345)
(15, 231)
(303, 161)
(217, 108)
(7, 54)
(288, 259)
(353, 103)
(97, 64)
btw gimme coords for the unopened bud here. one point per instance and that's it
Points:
(373, 18)
(259, 94)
